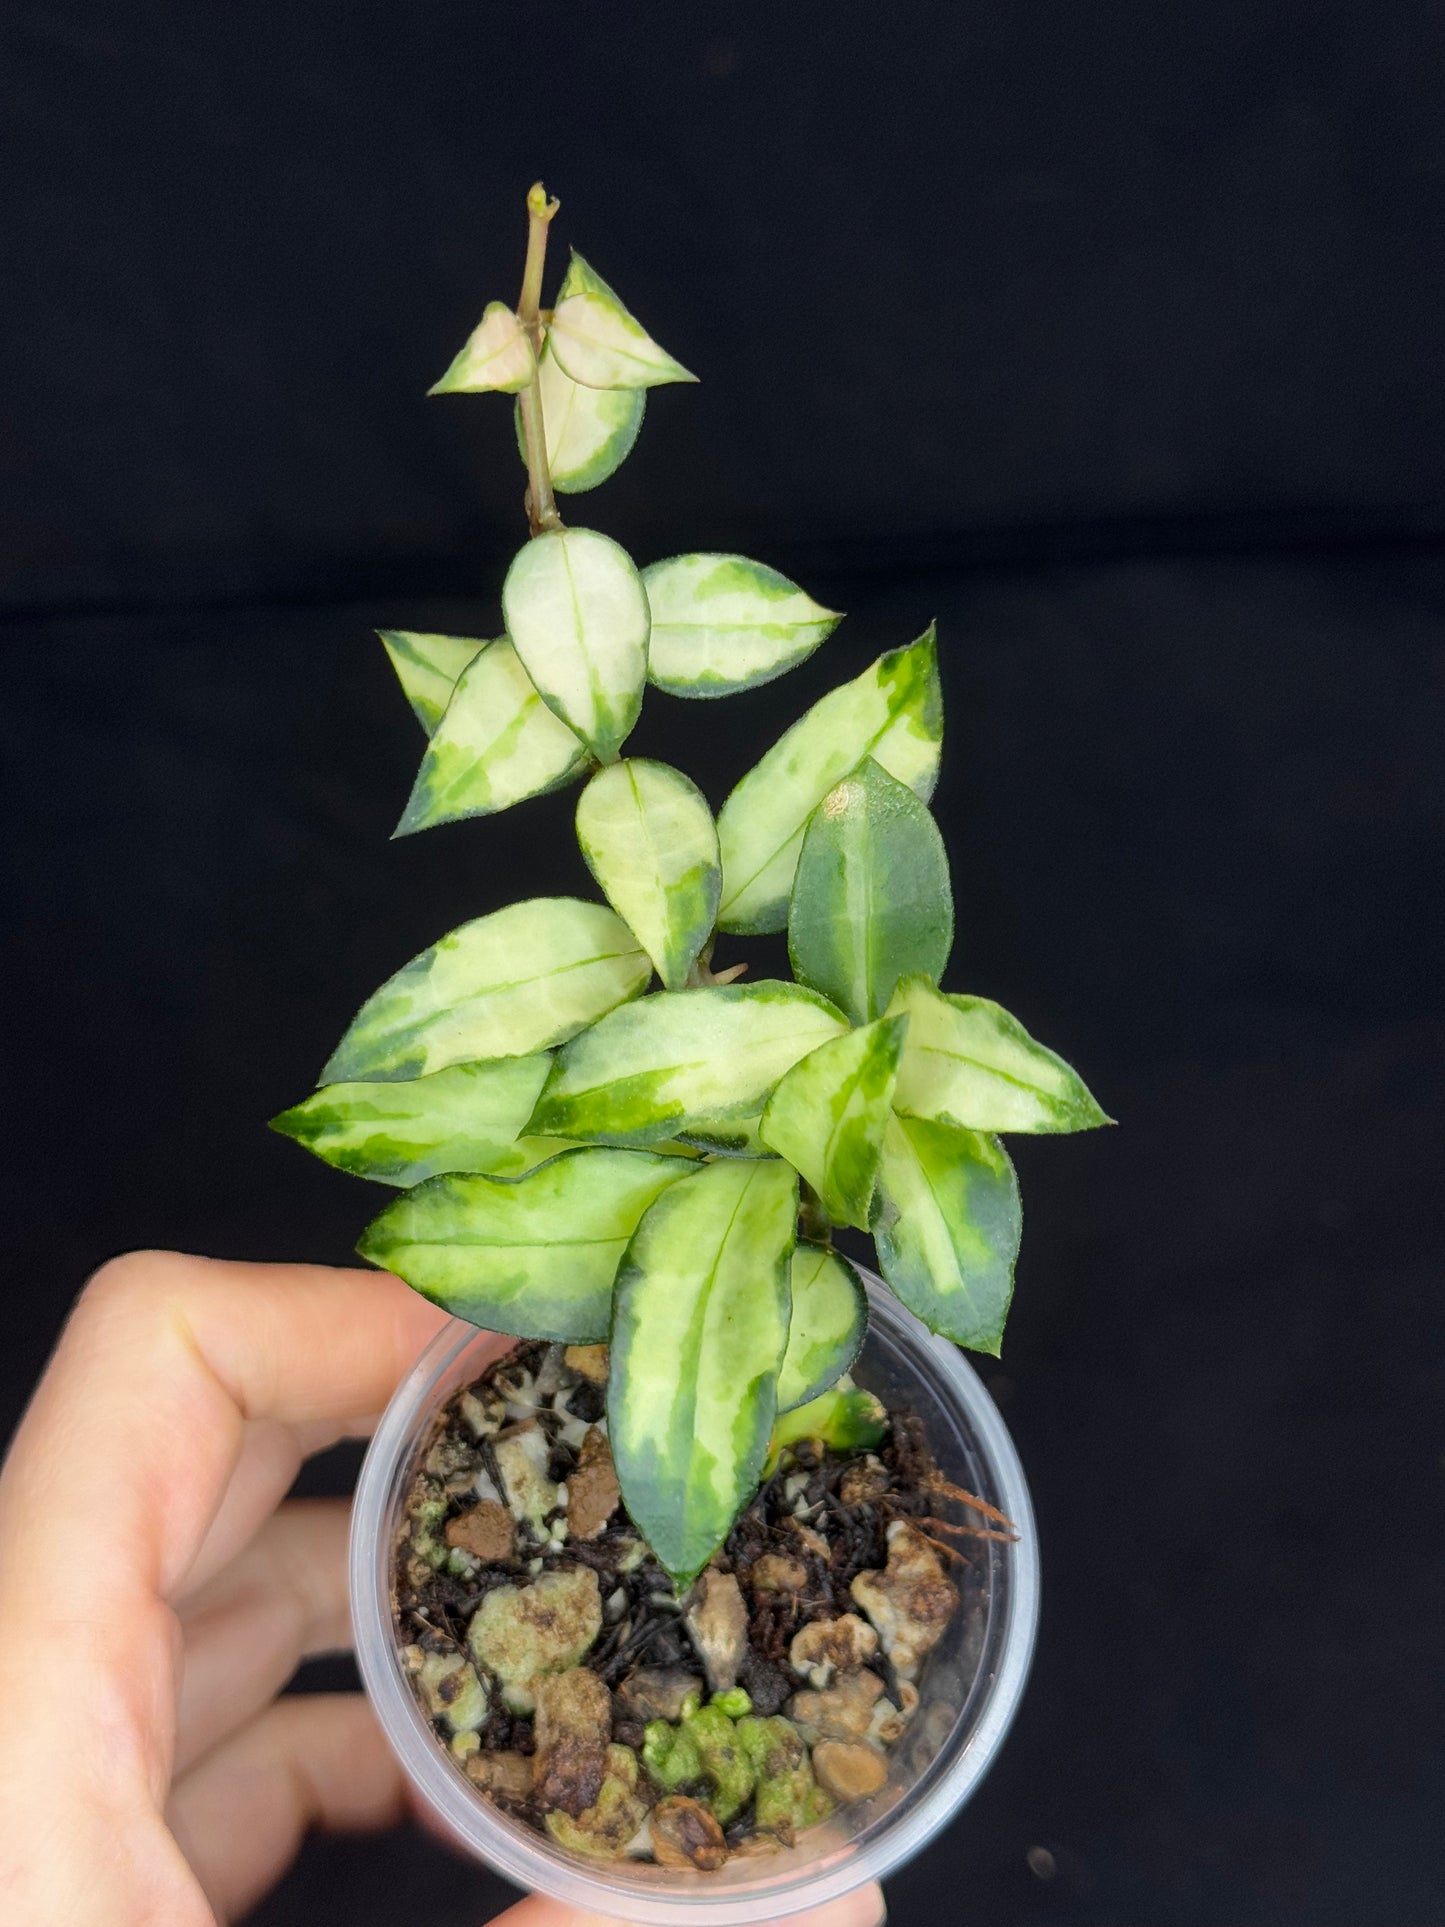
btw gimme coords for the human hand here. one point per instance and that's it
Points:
(157, 1589)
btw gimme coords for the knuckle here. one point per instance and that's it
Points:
(132, 1278)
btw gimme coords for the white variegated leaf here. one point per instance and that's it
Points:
(497, 356)
(649, 839)
(577, 615)
(598, 343)
(428, 668)
(721, 623)
(590, 431)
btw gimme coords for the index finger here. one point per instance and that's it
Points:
(131, 1438)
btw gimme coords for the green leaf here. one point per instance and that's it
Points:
(721, 623)
(497, 743)
(826, 1329)
(506, 985)
(497, 356)
(699, 1327)
(649, 839)
(828, 1114)
(893, 712)
(871, 899)
(682, 1061)
(466, 1118)
(577, 615)
(535, 1256)
(967, 1062)
(598, 343)
(947, 1221)
(427, 667)
(590, 431)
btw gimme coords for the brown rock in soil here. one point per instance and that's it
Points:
(506, 1776)
(888, 1721)
(827, 1646)
(521, 1632)
(604, 1829)
(848, 1771)
(588, 1361)
(717, 1619)
(864, 1482)
(778, 1572)
(593, 1494)
(843, 1712)
(487, 1532)
(656, 1693)
(910, 1602)
(572, 1730)
(686, 1835)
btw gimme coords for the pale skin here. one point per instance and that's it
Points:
(157, 1589)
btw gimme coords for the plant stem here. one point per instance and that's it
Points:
(541, 503)
(813, 1221)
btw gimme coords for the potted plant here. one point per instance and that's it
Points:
(709, 1589)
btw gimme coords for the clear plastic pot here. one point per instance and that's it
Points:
(971, 1683)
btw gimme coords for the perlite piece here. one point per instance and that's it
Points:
(910, 1602)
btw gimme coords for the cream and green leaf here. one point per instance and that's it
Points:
(497, 356)
(589, 431)
(826, 1326)
(828, 1114)
(967, 1062)
(721, 623)
(598, 343)
(946, 1221)
(682, 1062)
(428, 668)
(871, 899)
(497, 744)
(534, 1255)
(505, 985)
(893, 712)
(699, 1330)
(648, 837)
(577, 615)
(467, 1118)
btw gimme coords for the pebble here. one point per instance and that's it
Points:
(717, 1619)
(685, 1834)
(847, 1770)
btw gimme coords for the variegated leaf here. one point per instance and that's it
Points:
(497, 744)
(577, 615)
(649, 839)
(699, 1328)
(947, 1221)
(893, 712)
(871, 899)
(827, 1325)
(465, 1118)
(590, 431)
(428, 668)
(827, 1116)
(506, 985)
(598, 343)
(682, 1062)
(497, 356)
(535, 1256)
(721, 623)
(967, 1062)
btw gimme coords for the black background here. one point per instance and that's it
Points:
(1109, 335)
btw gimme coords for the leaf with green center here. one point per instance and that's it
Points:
(699, 1328)
(947, 1221)
(465, 1118)
(497, 744)
(497, 357)
(893, 712)
(721, 623)
(598, 343)
(828, 1114)
(682, 1061)
(967, 1062)
(536, 1255)
(871, 899)
(590, 431)
(577, 615)
(428, 669)
(827, 1325)
(649, 839)
(505, 985)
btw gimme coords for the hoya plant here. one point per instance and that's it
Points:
(599, 1136)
